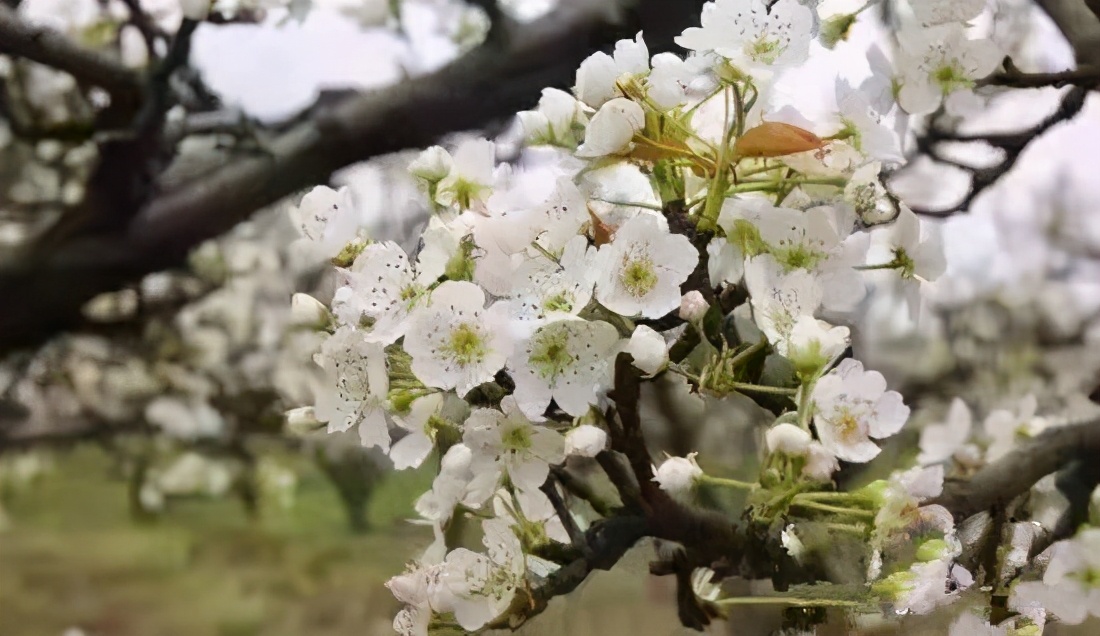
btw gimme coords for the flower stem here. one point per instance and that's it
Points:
(787, 600)
(745, 387)
(725, 483)
(839, 510)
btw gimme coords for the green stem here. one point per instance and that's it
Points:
(839, 510)
(725, 483)
(761, 388)
(787, 600)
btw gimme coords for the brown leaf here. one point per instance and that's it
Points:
(776, 139)
(601, 232)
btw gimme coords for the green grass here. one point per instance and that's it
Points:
(74, 557)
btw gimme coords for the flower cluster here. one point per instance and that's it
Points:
(657, 194)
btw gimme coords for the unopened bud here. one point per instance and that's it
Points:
(307, 311)
(693, 306)
(302, 421)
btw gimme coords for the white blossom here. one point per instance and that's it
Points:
(598, 75)
(455, 342)
(567, 361)
(641, 269)
(750, 34)
(851, 406)
(327, 219)
(788, 439)
(938, 61)
(480, 587)
(585, 441)
(677, 475)
(470, 180)
(939, 442)
(649, 350)
(506, 441)
(693, 306)
(380, 291)
(612, 129)
(357, 386)
(555, 121)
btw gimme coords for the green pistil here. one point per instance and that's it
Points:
(950, 78)
(551, 356)
(638, 277)
(466, 345)
(517, 438)
(559, 302)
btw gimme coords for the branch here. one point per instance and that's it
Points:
(1012, 144)
(1013, 77)
(1014, 474)
(45, 291)
(47, 46)
(1079, 22)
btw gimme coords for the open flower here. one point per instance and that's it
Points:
(641, 269)
(509, 442)
(358, 384)
(380, 291)
(479, 587)
(851, 406)
(938, 61)
(566, 361)
(455, 342)
(612, 129)
(326, 218)
(748, 33)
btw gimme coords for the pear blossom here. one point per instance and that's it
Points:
(380, 291)
(455, 342)
(939, 442)
(480, 587)
(506, 441)
(693, 306)
(873, 202)
(788, 439)
(327, 219)
(357, 386)
(556, 121)
(470, 180)
(432, 164)
(674, 81)
(612, 128)
(566, 361)
(915, 249)
(544, 289)
(779, 299)
(307, 311)
(752, 34)
(938, 61)
(1068, 589)
(851, 406)
(677, 475)
(1005, 428)
(457, 483)
(585, 440)
(649, 350)
(426, 416)
(598, 75)
(936, 12)
(814, 344)
(641, 269)
(534, 511)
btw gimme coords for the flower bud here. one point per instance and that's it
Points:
(788, 439)
(649, 350)
(693, 307)
(302, 420)
(677, 475)
(585, 440)
(307, 311)
(432, 165)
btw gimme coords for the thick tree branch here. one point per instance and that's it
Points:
(1014, 474)
(46, 290)
(1079, 22)
(47, 46)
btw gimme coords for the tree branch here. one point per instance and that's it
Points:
(1014, 474)
(46, 289)
(47, 46)
(1012, 144)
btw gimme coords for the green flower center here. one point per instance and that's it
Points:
(516, 438)
(765, 50)
(951, 77)
(466, 345)
(638, 276)
(550, 356)
(559, 302)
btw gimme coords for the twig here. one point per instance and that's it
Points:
(1012, 144)
(49, 47)
(567, 520)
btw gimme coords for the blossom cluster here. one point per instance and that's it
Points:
(648, 202)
